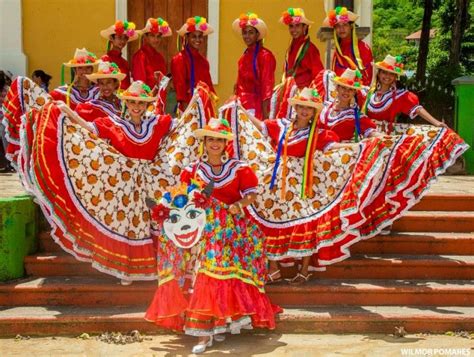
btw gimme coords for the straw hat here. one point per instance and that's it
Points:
(106, 70)
(196, 23)
(307, 97)
(339, 15)
(294, 15)
(137, 91)
(155, 26)
(216, 128)
(82, 58)
(121, 28)
(350, 79)
(391, 64)
(250, 19)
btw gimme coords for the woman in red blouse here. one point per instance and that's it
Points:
(384, 101)
(303, 61)
(189, 67)
(118, 35)
(350, 52)
(256, 68)
(148, 60)
(81, 89)
(107, 78)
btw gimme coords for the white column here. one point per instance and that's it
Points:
(364, 8)
(213, 40)
(121, 14)
(12, 57)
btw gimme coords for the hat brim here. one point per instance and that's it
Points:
(378, 66)
(145, 31)
(183, 30)
(73, 65)
(306, 103)
(201, 133)
(261, 27)
(109, 32)
(139, 99)
(339, 83)
(304, 20)
(95, 76)
(352, 18)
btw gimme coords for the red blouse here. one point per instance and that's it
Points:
(309, 66)
(115, 56)
(343, 122)
(122, 135)
(255, 84)
(181, 72)
(391, 103)
(298, 139)
(97, 108)
(145, 62)
(339, 64)
(235, 180)
(75, 96)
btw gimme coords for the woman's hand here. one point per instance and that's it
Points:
(235, 208)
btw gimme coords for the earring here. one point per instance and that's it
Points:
(224, 158)
(204, 157)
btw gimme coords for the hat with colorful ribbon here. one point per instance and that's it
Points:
(121, 28)
(82, 58)
(216, 128)
(350, 78)
(137, 91)
(391, 64)
(250, 19)
(339, 15)
(106, 70)
(294, 15)
(155, 26)
(195, 23)
(308, 97)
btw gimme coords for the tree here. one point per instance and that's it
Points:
(424, 41)
(459, 26)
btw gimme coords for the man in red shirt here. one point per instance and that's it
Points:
(189, 67)
(118, 35)
(350, 52)
(148, 60)
(302, 61)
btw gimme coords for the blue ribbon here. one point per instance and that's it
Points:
(191, 59)
(357, 124)
(278, 157)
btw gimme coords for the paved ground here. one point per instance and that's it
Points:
(10, 185)
(250, 345)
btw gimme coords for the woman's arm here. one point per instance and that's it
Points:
(244, 202)
(74, 116)
(422, 112)
(257, 122)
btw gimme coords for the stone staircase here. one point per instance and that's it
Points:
(420, 277)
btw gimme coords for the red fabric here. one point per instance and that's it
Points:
(119, 133)
(181, 73)
(235, 179)
(75, 96)
(365, 56)
(343, 124)
(297, 148)
(115, 56)
(145, 62)
(253, 89)
(96, 109)
(309, 67)
(390, 104)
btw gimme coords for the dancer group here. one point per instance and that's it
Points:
(212, 203)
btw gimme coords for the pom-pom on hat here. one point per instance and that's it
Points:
(250, 19)
(309, 97)
(155, 26)
(339, 15)
(121, 28)
(294, 15)
(106, 70)
(350, 79)
(216, 128)
(82, 58)
(391, 64)
(137, 91)
(195, 23)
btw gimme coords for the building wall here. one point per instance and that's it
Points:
(52, 29)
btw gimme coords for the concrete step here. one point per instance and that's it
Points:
(369, 266)
(445, 202)
(97, 291)
(435, 221)
(69, 320)
(417, 243)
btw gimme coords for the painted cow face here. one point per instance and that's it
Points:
(185, 225)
